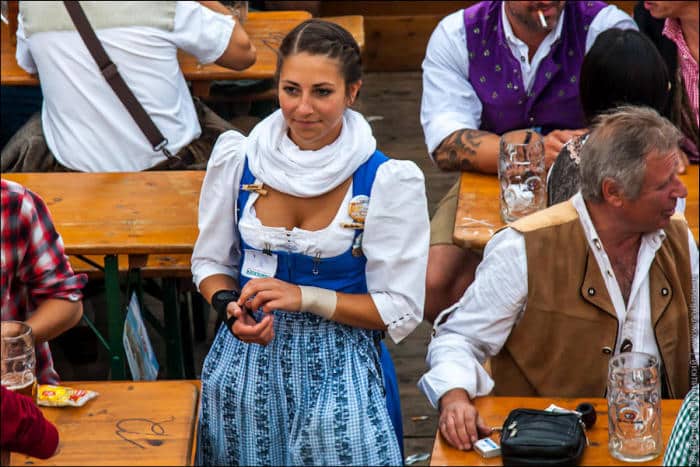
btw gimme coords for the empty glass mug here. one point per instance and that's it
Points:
(18, 358)
(521, 174)
(634, 407)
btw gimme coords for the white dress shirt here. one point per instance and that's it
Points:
(449, 101)
(481, 321)
(395, 240)
(85, 124)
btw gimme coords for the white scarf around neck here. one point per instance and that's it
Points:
(276, 161)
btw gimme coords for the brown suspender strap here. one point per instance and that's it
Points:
(114, 79)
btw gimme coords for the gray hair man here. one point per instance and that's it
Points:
(563, 290)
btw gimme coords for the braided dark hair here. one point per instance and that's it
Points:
(318, 37)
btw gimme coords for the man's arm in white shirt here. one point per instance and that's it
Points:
(479, 324)
(476, 328)
(450, 108)
(240, 53)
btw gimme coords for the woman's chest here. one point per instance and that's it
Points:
(277, 209)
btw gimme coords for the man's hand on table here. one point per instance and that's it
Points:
(555, 140)
(460, 422)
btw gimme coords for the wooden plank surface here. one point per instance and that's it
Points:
(129, 423)
(494, 410)
(478, 210)
(478, 214)
(354, 24)
(397, 43)
(692, 209)
(265, 28)
(121, 213)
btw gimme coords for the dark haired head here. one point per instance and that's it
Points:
(318, 37)
(623, 67)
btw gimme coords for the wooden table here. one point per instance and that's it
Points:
(494, 410)
(112, 214)
(479, 216)
(129, 423)
(265, 28)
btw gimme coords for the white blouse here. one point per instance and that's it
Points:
(395, 240)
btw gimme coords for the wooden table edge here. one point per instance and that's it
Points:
(478, 243)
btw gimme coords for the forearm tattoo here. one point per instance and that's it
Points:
(459, 150)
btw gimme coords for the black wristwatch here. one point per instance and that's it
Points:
(220, 301)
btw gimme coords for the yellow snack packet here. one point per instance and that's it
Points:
(62, 396)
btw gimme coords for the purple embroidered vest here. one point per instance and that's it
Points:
(553, 102)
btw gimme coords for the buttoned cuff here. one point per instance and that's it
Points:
(400, 320)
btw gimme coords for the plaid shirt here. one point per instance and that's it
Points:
(688, 69)
(686, 62)
(34, 266)
(682, 446)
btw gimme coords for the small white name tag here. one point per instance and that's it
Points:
(257, 264)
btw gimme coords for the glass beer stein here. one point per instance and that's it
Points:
(521, 174)
(18, 358)
(634, 407)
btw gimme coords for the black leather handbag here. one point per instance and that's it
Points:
(536, 437)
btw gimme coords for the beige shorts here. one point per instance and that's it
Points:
(443, 223)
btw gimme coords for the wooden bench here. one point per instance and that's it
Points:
(155, 266)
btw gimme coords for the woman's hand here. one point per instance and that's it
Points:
(247, 330)
(270, 294)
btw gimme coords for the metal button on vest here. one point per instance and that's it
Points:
(607, 350)
(664, 291)
(591, 291)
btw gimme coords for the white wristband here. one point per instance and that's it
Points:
(318, 301)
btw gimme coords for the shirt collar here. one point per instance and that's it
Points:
(653, 239)
(672, 30)
(552, 37)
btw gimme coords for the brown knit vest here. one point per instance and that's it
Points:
(563, 342)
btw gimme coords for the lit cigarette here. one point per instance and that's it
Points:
(543, 21)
